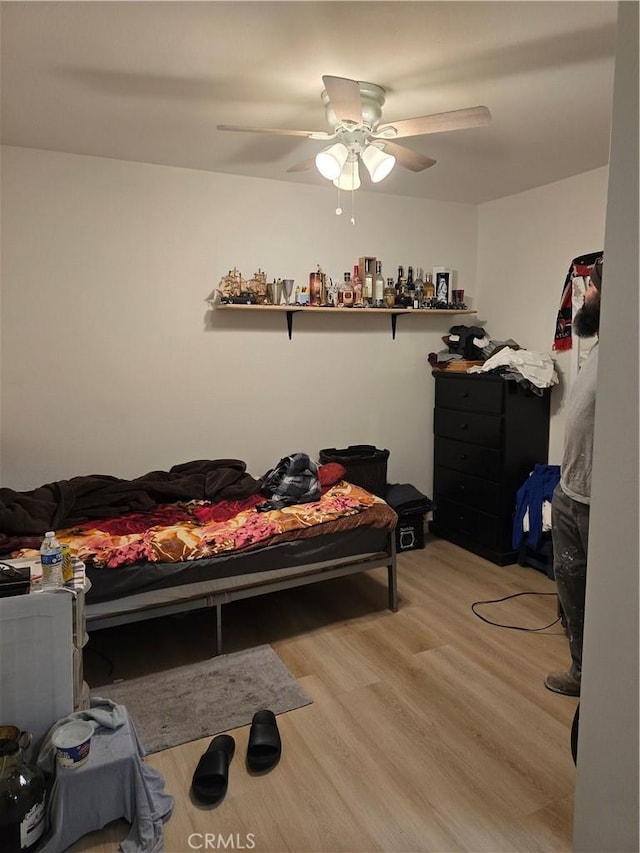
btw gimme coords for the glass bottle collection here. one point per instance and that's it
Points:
(366, 287)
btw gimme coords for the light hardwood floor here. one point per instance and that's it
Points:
(430, 730)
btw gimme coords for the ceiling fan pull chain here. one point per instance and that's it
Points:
(338, 208)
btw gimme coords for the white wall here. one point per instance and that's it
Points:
(525, 245)
(120, 257)
(607, 795)
(110, 363)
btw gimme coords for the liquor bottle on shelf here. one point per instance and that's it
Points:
(367, 286)
(401, 283)
(442, 288)
(357, 286)
(400, 279)
(315, 288)
(410, 283)
(347, 291)
(401, 292)
(378, 286)
(389, 294)
(429, 289)
(418, 299)
(323, 286)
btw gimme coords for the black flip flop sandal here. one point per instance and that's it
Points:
(211, 777)
(264, 747)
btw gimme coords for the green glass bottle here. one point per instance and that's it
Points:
(22, 801)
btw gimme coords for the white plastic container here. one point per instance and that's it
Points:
(73, 742)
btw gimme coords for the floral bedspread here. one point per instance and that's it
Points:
(199, 529)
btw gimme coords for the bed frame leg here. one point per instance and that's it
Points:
(392, 573)
(393, 587)
(218, 629)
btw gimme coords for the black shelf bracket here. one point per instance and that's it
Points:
(394, 320)
(290, 323)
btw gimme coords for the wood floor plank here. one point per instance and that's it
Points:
(430, 730)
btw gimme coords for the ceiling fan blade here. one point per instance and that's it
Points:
(439, 122)
(310, 134)
(407, 158)
(303, 165)
(344, 95)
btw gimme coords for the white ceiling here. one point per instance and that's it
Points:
(149, 81)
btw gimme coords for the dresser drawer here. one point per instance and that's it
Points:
(471, 458)
(457, 520)
(473, 492)
(469, 427)
(469, 394)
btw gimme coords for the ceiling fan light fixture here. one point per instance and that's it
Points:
(378, 162)
(349, 178)
(331, 160)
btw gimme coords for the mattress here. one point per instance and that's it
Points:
(114, 584)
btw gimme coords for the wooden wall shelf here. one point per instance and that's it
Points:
(290, 310)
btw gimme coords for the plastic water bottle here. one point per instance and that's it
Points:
(51, 559)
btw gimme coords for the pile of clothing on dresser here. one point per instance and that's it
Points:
(533, 370)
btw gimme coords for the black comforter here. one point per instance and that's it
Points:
(65, 503)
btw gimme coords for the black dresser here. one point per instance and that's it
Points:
(489, 432)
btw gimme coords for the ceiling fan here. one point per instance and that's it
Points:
(354, 111)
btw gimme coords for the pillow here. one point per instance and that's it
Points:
(330, 474)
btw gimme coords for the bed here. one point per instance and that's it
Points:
(197, 536)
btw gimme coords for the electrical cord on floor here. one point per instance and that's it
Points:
(506, 598)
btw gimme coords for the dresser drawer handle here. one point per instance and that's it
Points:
(464, 426)
(461, 487)
(463, 456)
(465, 394)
